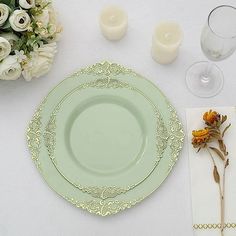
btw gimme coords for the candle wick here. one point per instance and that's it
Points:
(167, 36)
(112, 18)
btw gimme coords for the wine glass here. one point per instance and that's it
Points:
(218, 41)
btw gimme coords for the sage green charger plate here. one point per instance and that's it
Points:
(105, 134)
(105, 138)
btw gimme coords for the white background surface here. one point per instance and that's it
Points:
(27, 206)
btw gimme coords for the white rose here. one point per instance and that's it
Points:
(4, 13)
(40, 61)
(19, 20)
(10, 68)
(5, 48)
(10, 37)
(27, 4)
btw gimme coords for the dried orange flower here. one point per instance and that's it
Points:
(200, 137)
(212, 118)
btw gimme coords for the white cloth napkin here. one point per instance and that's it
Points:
(205, 195)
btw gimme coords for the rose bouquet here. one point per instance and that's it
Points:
(29, 31)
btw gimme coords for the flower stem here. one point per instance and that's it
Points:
(221, 194)
(222, 213)
(223, 203)
(213, 161)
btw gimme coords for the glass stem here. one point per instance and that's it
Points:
(206, 74)
(208, 70)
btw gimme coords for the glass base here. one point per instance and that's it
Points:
(204, 79)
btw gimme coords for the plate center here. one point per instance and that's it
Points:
(106, 137)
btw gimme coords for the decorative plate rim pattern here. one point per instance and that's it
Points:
(34, 138)
(104, 192)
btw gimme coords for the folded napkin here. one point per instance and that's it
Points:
(205, 192)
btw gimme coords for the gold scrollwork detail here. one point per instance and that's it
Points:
(105, 192)
(105, 69)
(34, 136)
(176, 135)
(103, 208)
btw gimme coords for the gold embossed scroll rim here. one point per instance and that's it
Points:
(98, 197)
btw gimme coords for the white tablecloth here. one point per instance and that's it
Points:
(27, 206)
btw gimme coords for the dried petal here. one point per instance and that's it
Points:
(212, 118)
(200, 137)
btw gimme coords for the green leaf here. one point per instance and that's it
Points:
(218, 152)
(7, 2)
(6, 26)
(11, 3)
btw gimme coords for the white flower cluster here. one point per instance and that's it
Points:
(29, 32)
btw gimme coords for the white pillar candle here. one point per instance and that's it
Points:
(166, 41)
(113, 22)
